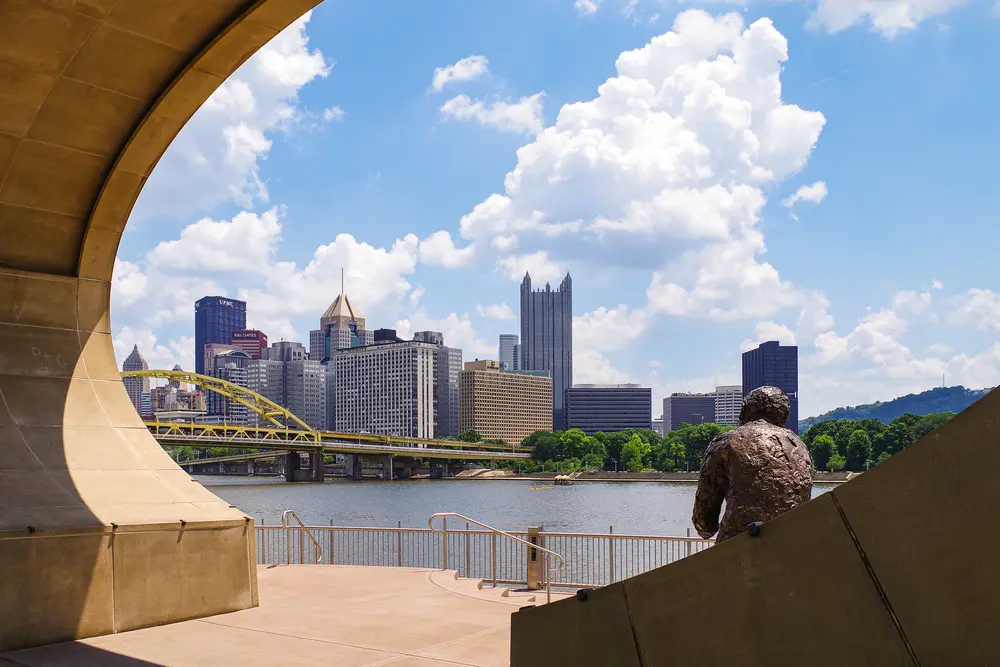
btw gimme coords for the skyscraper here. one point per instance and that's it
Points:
(728, 403)
(694, 409)
(289, 378)
(774, 365)
(507, 352)
(547, 338)
(215, 320)
(251, 341)
(447, 366)
(503, 405)
(136, 387)
(340, 327)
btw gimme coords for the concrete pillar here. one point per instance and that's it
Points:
(353, 464)
(387, 467)
(292, 464)
(316, 467)
(437, 470)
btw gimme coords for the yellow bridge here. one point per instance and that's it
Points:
(277, 428)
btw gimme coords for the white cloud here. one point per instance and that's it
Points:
(587, 7)
(936, 284)
(978, 308)
(157, 355)
(607, 329)
(665, 170)
(439, 249)
(334, 113)
(911, 302)
(466, 69)
(813, 194)
(216, 157)
(457, 329)
(244, 244)
(128, 283)
(538, 264)
(496, 311)
(887, 17)
(768, 331)
(522, 116)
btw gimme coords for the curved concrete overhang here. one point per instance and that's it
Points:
(99, 530)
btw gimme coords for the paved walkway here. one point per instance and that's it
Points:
(335, 616)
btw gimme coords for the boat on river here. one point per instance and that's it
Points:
(562, 480)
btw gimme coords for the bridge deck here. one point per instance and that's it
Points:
(336, 616)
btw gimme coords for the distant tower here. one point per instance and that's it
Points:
(507, 352)
(774, 365)
(215, 320)
(136, 387)
(340, 327)
(547, 338)
(447, 366)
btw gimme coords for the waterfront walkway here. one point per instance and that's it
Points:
(331, 615)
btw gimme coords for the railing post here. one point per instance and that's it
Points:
(493, 556)
(444, 543)
(533, 574)
(332, 562)
(468, 568)
(399, 543)
(689, 544)
(288, 544)
(302, 546)
(611, 555)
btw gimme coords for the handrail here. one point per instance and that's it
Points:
(549, 554)
(288, 541)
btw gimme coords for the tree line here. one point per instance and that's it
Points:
(858, 444)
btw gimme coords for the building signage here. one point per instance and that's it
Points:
(227, 303)
(246, 335)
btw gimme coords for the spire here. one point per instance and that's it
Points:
(341, 281)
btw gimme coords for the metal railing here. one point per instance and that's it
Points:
(303, 531)
(589, 559)
(531, 547)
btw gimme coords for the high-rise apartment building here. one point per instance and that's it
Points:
(507, 352)
(774, 365)
(215, 320)
(447, 366)
(251, 341)
(504, 405)
(340, 327)
(231, 367)
(386, 388)
(547, 338)
(691, 409)
(209, 353)
(136, 387)
(728, 403)
(608, 408)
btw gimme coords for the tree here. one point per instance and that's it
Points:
(859, 451)
(633, 453)
(470, 435)
(544, 446)
(595, 454)
(574, 442)
(669, 455)
(929, 423)
(897, 437)
(836, 462)
(882, 458)
(821, 450)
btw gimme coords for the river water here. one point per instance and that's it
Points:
(644, 508)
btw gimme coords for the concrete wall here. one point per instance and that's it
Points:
(896, 567)
(99, 530)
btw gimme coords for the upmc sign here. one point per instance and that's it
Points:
(227, 303)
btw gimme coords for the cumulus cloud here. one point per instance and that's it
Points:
(158, 355)
(466, 69)
(887, 17)
(439, 249)
(587, 7)
(457, 329)
(496, 311)
(814, 194)
(538, 264)
(216, 157)
(768, 331)
(210, 245)
(665, 170)
(128, 283)
(979, 308)
(334, 113)
(522, 116)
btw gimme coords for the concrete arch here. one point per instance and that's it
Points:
(99, 530)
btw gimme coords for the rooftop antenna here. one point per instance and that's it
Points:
(341, 281)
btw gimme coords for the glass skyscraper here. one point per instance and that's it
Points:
(215, 320)
(774, 365)
(547, 338)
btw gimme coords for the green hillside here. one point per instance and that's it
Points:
(940, 399)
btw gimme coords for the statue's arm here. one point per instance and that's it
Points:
(713, 483)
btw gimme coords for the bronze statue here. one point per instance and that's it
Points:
(761, 469)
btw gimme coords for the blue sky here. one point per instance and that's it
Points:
(820, 173)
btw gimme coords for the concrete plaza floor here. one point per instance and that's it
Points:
(336, 616)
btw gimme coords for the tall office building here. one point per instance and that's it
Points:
(215, 320)
(774, 365)
(547, 338)
(728, 403)
(251, 341)
(340, 327)
(507, 352)
(209, 354)
(386, 388)
(609, 408)
(517, 356)
(232, 367)
(504, 405)
(447, 366)
(289, 378)
(136, 387)
(691, 409)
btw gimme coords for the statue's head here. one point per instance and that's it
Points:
(767, 403)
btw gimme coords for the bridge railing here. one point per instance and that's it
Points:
(591, 559)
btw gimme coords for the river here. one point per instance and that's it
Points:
(644, 508)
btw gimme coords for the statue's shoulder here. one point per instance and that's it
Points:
(722, 441)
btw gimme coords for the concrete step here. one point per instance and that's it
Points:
(475, 588)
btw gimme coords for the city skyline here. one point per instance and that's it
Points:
(685, 247)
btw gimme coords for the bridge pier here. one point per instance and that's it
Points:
(294, 472)
(354, 465)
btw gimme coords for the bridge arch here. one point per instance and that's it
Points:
(93, 513)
